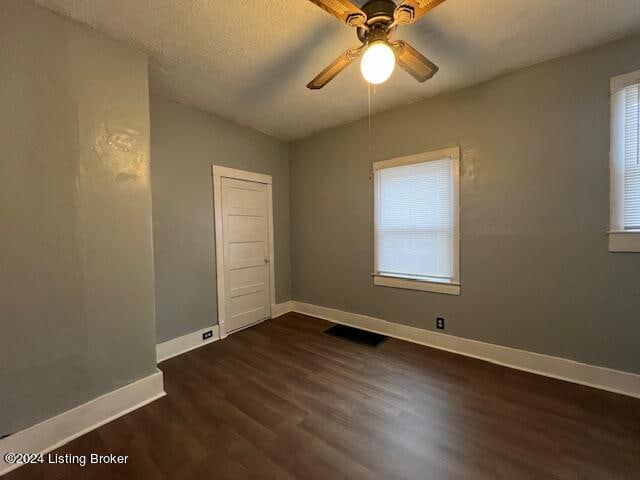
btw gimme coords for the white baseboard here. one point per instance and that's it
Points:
(279, 309)
(190, 341)
(625, 383)
(56, 431)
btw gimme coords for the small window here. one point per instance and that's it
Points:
(625, 163)
(417, 222)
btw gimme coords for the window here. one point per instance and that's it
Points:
(417, 222)
(625, 163)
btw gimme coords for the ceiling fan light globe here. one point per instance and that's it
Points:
(378, 63)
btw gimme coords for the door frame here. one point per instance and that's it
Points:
(220, 172)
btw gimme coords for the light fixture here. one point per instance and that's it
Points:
(378, 62)
(375, 22)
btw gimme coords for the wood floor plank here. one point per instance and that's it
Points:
(283, 401)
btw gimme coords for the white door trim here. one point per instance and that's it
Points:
(218, 173)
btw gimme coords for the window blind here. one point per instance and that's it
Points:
(631, 196)
(416, 221)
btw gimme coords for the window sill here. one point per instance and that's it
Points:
(624, 241)
(423, 285)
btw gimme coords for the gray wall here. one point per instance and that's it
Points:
(76, 270)
(536, 273)
(185, 143)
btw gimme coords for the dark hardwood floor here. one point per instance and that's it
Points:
(283, 400)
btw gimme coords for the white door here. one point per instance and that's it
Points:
(245, 234)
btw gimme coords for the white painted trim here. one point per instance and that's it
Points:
(218, 173)
(452, 153)
(279, 309)
(185, 343)
(411, 284)
(272, 255)
(618, 242)
(217, 215)
(625, 383)
(623, 81)
(626, 241)
(227, 172)
(191, 341)
(61, 429)
(616, 160)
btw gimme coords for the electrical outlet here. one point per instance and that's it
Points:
(440, 323)
(207, 335)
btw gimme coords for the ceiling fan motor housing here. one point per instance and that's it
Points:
(379, 17)
(379, 11)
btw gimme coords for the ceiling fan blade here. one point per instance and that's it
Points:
(414, 62)
(337, 66)
(343, 10)
(411, 10)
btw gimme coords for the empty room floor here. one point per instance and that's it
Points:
(284, 400)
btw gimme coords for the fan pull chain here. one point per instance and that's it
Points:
(370, 156)
(370, 133)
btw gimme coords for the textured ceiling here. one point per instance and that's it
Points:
(250, 60)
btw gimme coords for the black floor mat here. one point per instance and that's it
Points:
(356, 335)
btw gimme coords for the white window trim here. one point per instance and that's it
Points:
(620, 240)
(451, 287)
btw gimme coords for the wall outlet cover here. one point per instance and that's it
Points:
(207, 335)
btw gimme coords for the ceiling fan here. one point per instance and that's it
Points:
(375, 22)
